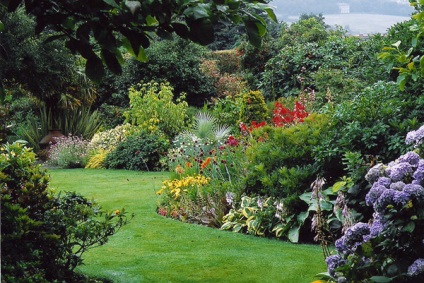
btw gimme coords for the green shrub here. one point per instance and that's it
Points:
(140, 151)
(282, 163)
(109, 139)
(152, 108)
(253, 107)
(43, 237)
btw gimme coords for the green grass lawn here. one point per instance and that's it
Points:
(152, 248)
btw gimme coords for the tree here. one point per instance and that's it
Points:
(131, 24)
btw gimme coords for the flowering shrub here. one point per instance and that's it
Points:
(177, 187)
(391, 247)
(415, 138)
(283, 116)
(68, 152)
(108, 140)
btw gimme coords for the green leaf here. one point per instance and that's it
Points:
(151, 21)
(111, 3)
(414, 42)
(253, 33)
(197, 12)
(338, 185)
(1, 26)
(294, 234)
(422, 65)
(94, 69)
(380, 279)
(410, 227)
(306, 197)
(401, 81)
(302, 216)
(111, 62)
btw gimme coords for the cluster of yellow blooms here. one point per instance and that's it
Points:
(177, 187)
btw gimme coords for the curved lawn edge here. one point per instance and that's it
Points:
(152, 248)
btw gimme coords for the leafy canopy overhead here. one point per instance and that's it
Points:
(97, 29)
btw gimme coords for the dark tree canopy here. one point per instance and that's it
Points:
(97, 29)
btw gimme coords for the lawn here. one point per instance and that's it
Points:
(152, 248)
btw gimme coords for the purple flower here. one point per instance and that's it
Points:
(354, 237)
(229, 196)
(374, 193)
(419, 174)
(415, 137)
(415, 191)
(376, 228)
(397, 186)
(384, 181)
(385, 199)
(374, 173)
(398, 171)
(410, 157)
(416, 268)
(401, 198)
(333, 262)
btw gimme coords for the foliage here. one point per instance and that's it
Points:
(47, 70)
(43, 237)
(253, 107)
(111, 116)
(407, 58)
(175, 61)
(78, 122)
(282, 162)
(227, 110)
(224, 71)
(96, 160)
(109, 139)
(152, 108)
(263, 217)
(116, 24)
(69, 152)
(141, 151)
(390, 248)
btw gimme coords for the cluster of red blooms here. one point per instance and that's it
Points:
(281, 116)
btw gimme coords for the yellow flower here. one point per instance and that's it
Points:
(117, 212)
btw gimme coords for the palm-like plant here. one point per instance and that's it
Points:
(206, 127)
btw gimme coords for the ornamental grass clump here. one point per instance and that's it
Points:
(390, 247)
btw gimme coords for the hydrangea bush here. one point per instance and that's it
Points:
(390, 248)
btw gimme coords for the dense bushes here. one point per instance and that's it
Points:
(140, 151)
(43, 235)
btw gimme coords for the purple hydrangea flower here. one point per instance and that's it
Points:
(386, 198)
(398, 171)
(374, 173)
(415, 137)
(401, 198)
(397, 186)
(415, 191)
(374, 193)
(410, 157)
(333, 262)
(354, 236)
(419, 174)
(384, 181)
(416, 268)
(376, 228)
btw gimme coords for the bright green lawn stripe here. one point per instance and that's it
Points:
(156, 249)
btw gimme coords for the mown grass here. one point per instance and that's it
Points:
(152, 248)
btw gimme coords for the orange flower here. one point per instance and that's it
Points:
(179, 170)
(188, 164)
(206, 163)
